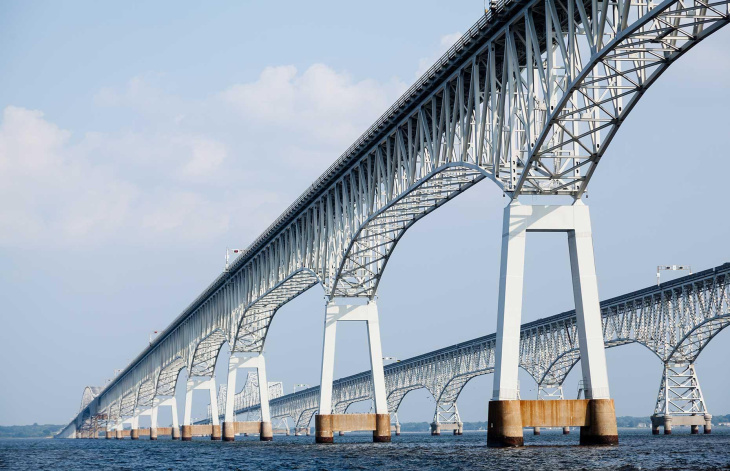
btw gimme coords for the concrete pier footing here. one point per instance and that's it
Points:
(536, 430)
(134, 434)
(153, 433)
(175, 433)
(596, 418)
(397, 430)
(708, 423)
(566, 430)
(119, 435)
(435, 429)
(601, 428)
(215, 433)
(326, 425)
(229, 431)
(266, 433)
(187, 433)
(504, 424)
(670, 421)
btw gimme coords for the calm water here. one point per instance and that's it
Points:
(638, 450)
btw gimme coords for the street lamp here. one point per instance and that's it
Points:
(228, 252)
(672, 268)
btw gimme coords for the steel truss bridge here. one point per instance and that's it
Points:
(529, 98)
(675, 321)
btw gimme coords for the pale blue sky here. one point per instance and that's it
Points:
(138, 140)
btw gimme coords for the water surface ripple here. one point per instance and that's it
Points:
(551, 450)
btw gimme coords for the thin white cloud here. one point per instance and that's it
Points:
(445, 43)
(182, 171)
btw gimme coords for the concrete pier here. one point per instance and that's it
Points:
(566, 430)
(601, 428)
(435, 429)
(326, 425)
(134, 434)
(504, 424)
(669, 421)
(595, 417)
(153, 433)
(175, 433)
(187, 433)
(215, 433)
(536, 430)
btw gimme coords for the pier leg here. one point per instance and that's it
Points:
(339, 310)
(566, 430)
(536, 430)
(667, 425)
(435, 429)
(505, 420)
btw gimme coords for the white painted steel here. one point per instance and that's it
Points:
(530, 98)
(575, 221)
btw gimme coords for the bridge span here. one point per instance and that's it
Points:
(529, 98)
(675, 320)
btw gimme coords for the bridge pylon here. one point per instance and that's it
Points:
(326, 422)
(680, 400)
(507, 413)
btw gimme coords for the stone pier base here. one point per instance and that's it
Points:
(175, 433)
(187, 433)
(215, 433)
(153, 433)
(134, 434)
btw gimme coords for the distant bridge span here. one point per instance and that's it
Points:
(530, 98)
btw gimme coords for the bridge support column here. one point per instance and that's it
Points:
(198, 382)
(505, 420)
(340, 310)
(153, 422)
(435, 429)
(680, 400)
(236, 362)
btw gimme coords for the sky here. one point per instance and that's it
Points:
(138, 140)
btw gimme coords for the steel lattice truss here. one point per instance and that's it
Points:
(248, 397)
(530, 98)
(675, 321)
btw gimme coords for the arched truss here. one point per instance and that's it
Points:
(532, 96)
(373, 243)
(90, 392)
(396, 396)
(146, 394)
(257, 316)
(167, 379)
(203, 360)
(128, 405)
